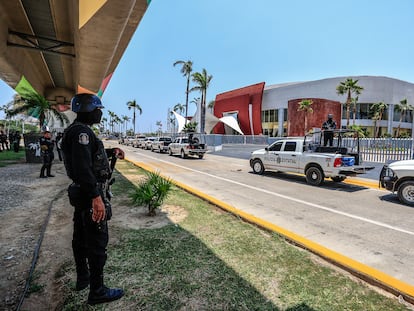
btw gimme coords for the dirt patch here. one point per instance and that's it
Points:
(25, 201)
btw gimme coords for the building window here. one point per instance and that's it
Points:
(363, 111)
(407, 116)
(270, 122)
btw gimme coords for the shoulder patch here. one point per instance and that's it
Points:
(83, 139)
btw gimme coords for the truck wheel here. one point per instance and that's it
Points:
(200, 156)
(314, 176)
(338, 178)
(170, 152)
(258, 167)
(183, 156)
(406, 192)
(152, 149)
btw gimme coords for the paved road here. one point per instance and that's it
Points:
(366, 225)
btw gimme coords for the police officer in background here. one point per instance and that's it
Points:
(46, 149)
(87, 164)
(328, 126)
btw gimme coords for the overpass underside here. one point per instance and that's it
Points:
(63, 47)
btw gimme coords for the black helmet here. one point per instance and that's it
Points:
(85, 103)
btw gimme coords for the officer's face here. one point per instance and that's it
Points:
(48, 135)
(96, 116)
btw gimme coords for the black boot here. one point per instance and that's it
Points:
(42, 172)
(104, 294)
(48, 169)
(99, 293)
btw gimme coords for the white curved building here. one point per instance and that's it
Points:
(376, 89)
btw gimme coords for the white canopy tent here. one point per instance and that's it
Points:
(180, 120)
(232, 122)
(211, 121)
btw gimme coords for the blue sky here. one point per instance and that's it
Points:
(245, 42)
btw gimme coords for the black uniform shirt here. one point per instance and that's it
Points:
(47, 145)
(79, 146)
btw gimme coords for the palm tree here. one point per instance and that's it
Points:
(186, 69)
(403, 107)
(133, 104)
(305, 106)
(348, 87)
(202, 81)
(104, 121)
(111, 120)
(172, 121)
(178, 107)
(378, 109)
(354, 102)
(159, 125)
(117, 120)
(210, 105)
(39, 107)
(125, 120)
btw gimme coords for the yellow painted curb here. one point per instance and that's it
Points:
(363, 271)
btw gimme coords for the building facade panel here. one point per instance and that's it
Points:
(321, 108)
(247, 101)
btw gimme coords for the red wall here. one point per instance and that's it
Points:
(239, 100)
(321, 108)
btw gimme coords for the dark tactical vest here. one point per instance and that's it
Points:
(101, 168)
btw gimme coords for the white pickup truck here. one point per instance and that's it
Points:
(303, 156)
(187, 146)
(398, 177)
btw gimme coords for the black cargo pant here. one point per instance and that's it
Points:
(90, 239)
(47, 164)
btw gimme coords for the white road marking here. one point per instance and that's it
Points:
(381, 224)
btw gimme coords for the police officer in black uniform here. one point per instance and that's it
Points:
(328, 126)
(87, 164)
(46, 149)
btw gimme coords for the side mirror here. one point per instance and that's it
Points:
(267, 148)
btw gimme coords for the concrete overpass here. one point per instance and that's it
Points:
(64, 47)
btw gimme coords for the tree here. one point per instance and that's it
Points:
(186, 69)
(354, 102)
(39, 107)
(178, 107)
(104, 123)
(111, 120)
(378, 109)
(125, 120)
(403, 107)
(211, 104)
(349, 87)
(190, 127)
(305, 106)
(159, 125)
(133, 105)
(202, 81)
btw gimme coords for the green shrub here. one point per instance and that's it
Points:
(151, 192)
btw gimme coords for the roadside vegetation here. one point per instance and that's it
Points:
(212, 260)
(10, 157)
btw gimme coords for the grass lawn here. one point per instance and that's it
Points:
(212, 260)
(10, 157)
